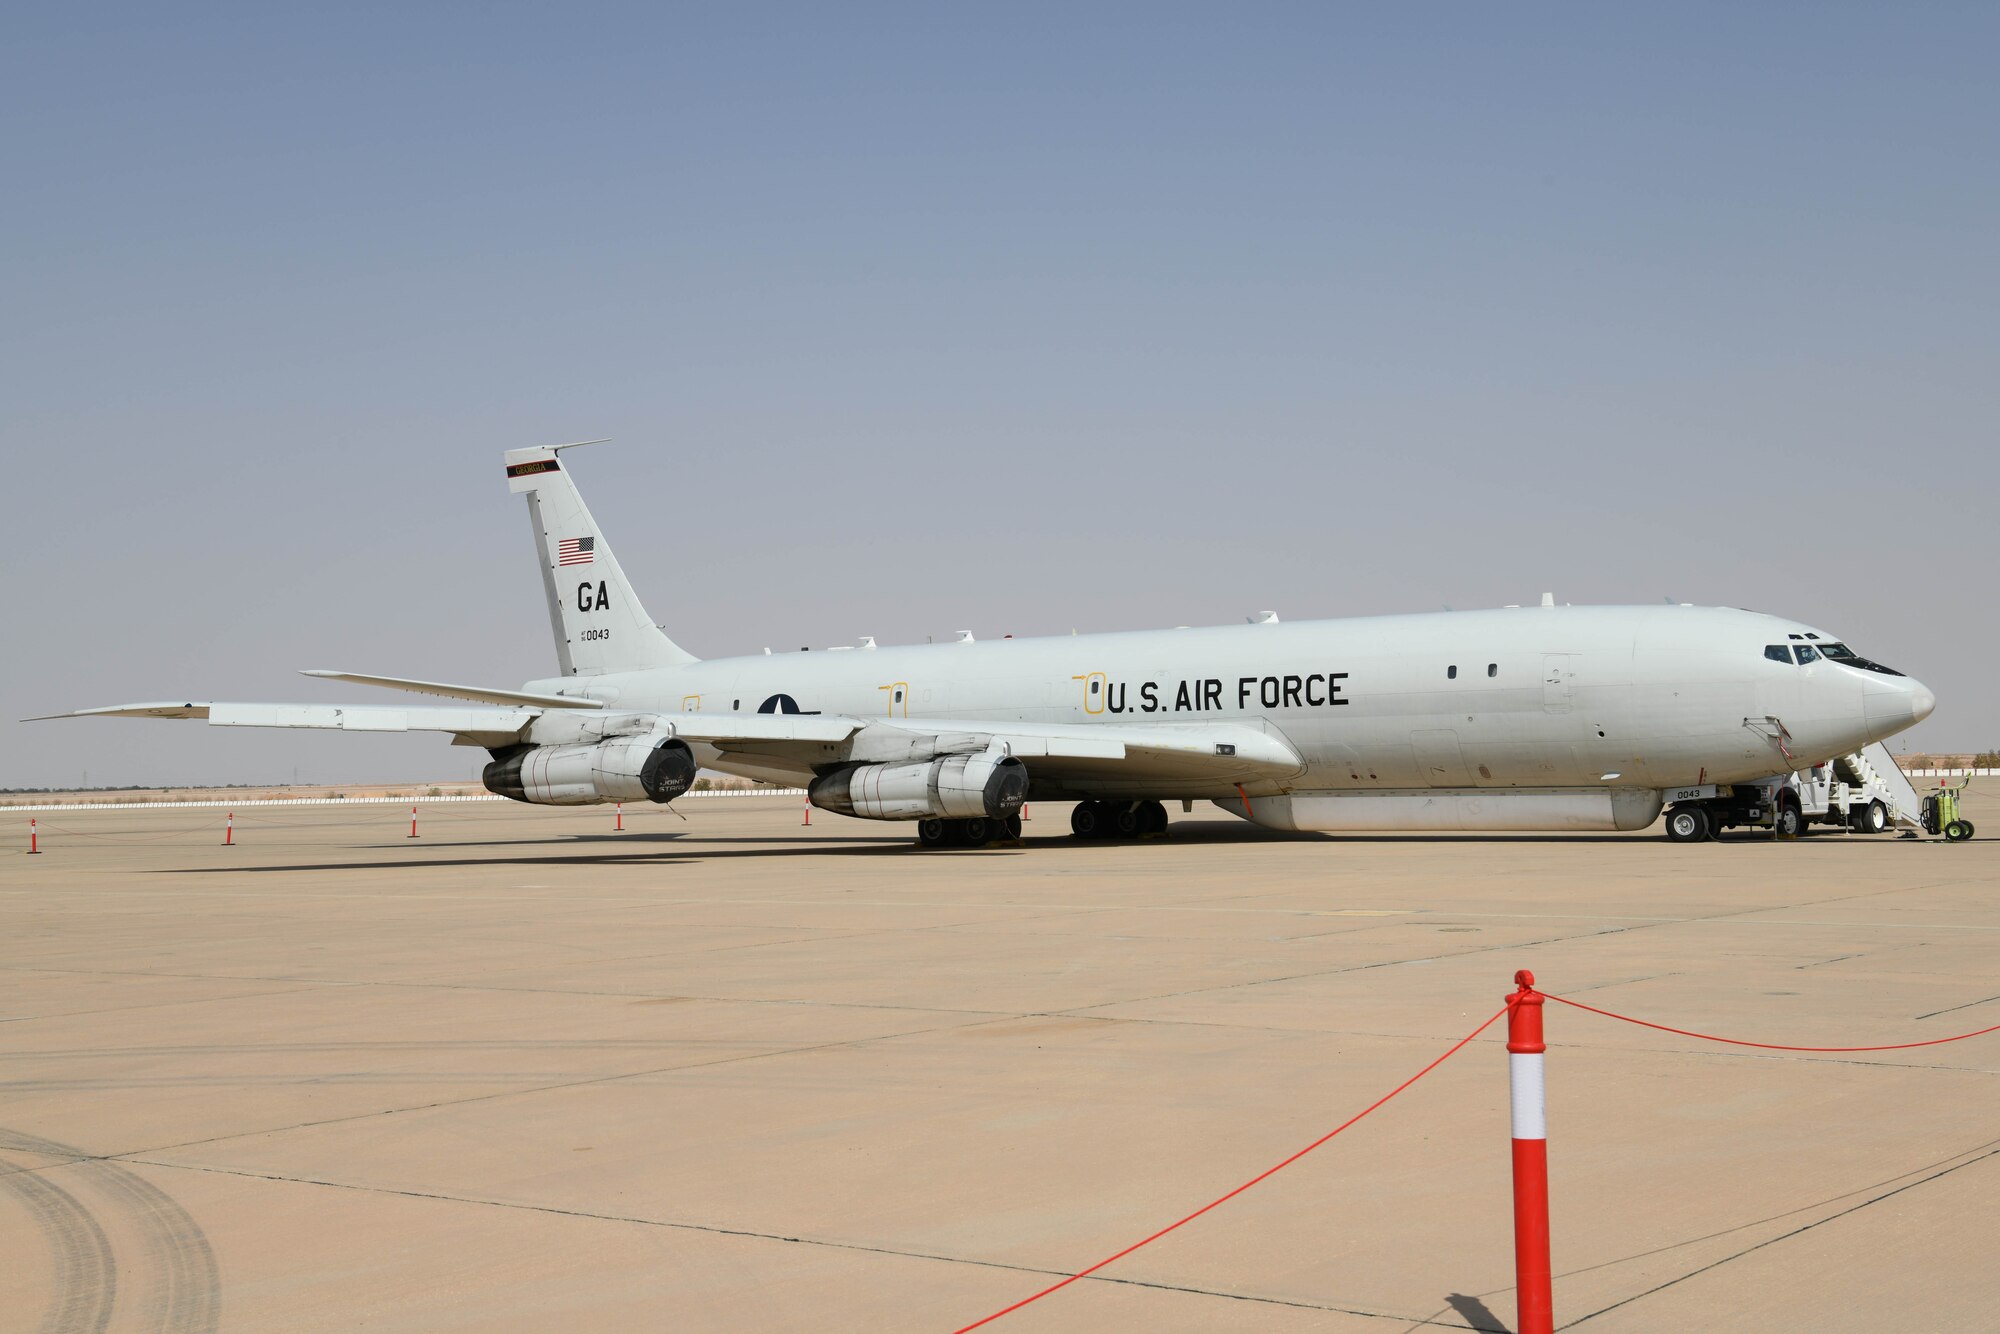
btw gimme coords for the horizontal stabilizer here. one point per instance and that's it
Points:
(481, 693)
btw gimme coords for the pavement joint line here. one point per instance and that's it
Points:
(1783, 1236)
(1620, 982)
(1361, 968)
(1955, 1008)
(523, 991)
(1072, 1012)
(155, 1005)
(552, 1088)
(1717, 919)
(717, 1229)
(1965, 1154)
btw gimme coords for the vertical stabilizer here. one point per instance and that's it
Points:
(599, 623)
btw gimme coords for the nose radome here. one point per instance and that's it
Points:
(1894, 703)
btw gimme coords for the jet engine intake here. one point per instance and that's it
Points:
(622, 769)
(952, 787)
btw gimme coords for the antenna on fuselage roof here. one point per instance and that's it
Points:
(1669, 601)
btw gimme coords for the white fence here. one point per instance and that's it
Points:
(1952, 773)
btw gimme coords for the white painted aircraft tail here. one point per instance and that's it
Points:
(599, 624)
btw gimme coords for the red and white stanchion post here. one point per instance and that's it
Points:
(34, 838)
(229, 830)
(619, 828)
(1533, 1283)
(809, 813)
(413, 821)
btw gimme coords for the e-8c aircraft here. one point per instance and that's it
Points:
(1530, 718)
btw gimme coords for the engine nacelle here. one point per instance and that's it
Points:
(635, 768)
(951, 787)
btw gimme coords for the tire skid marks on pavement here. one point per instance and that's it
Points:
(86, 1272)
(179, 1279)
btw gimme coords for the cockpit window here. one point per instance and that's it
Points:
(1807, 653)
(1847, 657)
(1778, 653)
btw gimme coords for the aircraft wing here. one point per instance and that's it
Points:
(1063, 759)
(497, 727)
(472, 726)
(1196, 759)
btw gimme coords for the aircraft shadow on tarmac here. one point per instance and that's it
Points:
(688, 847)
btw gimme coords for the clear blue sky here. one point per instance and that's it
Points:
(913, 319)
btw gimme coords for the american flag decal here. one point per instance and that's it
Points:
(575, 550)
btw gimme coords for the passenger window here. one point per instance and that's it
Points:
(1807, 653)
(1493, 669)
(1451, 673)
(1778, 653)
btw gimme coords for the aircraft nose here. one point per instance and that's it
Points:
(1896, 703)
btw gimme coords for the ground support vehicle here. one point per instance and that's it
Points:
(1865, 793)
(1941, 814)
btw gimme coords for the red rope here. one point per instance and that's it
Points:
(1768, 1046)
(1085, 1273)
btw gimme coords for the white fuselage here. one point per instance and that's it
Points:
(1518, 700)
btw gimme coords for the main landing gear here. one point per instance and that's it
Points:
(1118, 819)
(968, 833)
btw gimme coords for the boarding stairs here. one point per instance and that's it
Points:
(1875, 771)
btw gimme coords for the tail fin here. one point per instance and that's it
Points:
(598, 622)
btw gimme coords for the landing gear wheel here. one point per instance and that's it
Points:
(1125, 819)
(1152, 818)
(977, 832)
(1087, 820)
(933, 833)
(1957, 830)
(1787, 822)
(1688, 824)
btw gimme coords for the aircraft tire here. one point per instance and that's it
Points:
(933, 833)
(1087, 819)
(1152, 818)
(1688, 824)
(1125, 819)
(976, 832)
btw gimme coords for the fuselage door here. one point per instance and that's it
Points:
(1558, 674)
(1094, 691)
(1439, 760)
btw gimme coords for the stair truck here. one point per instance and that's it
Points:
(1865, 793)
